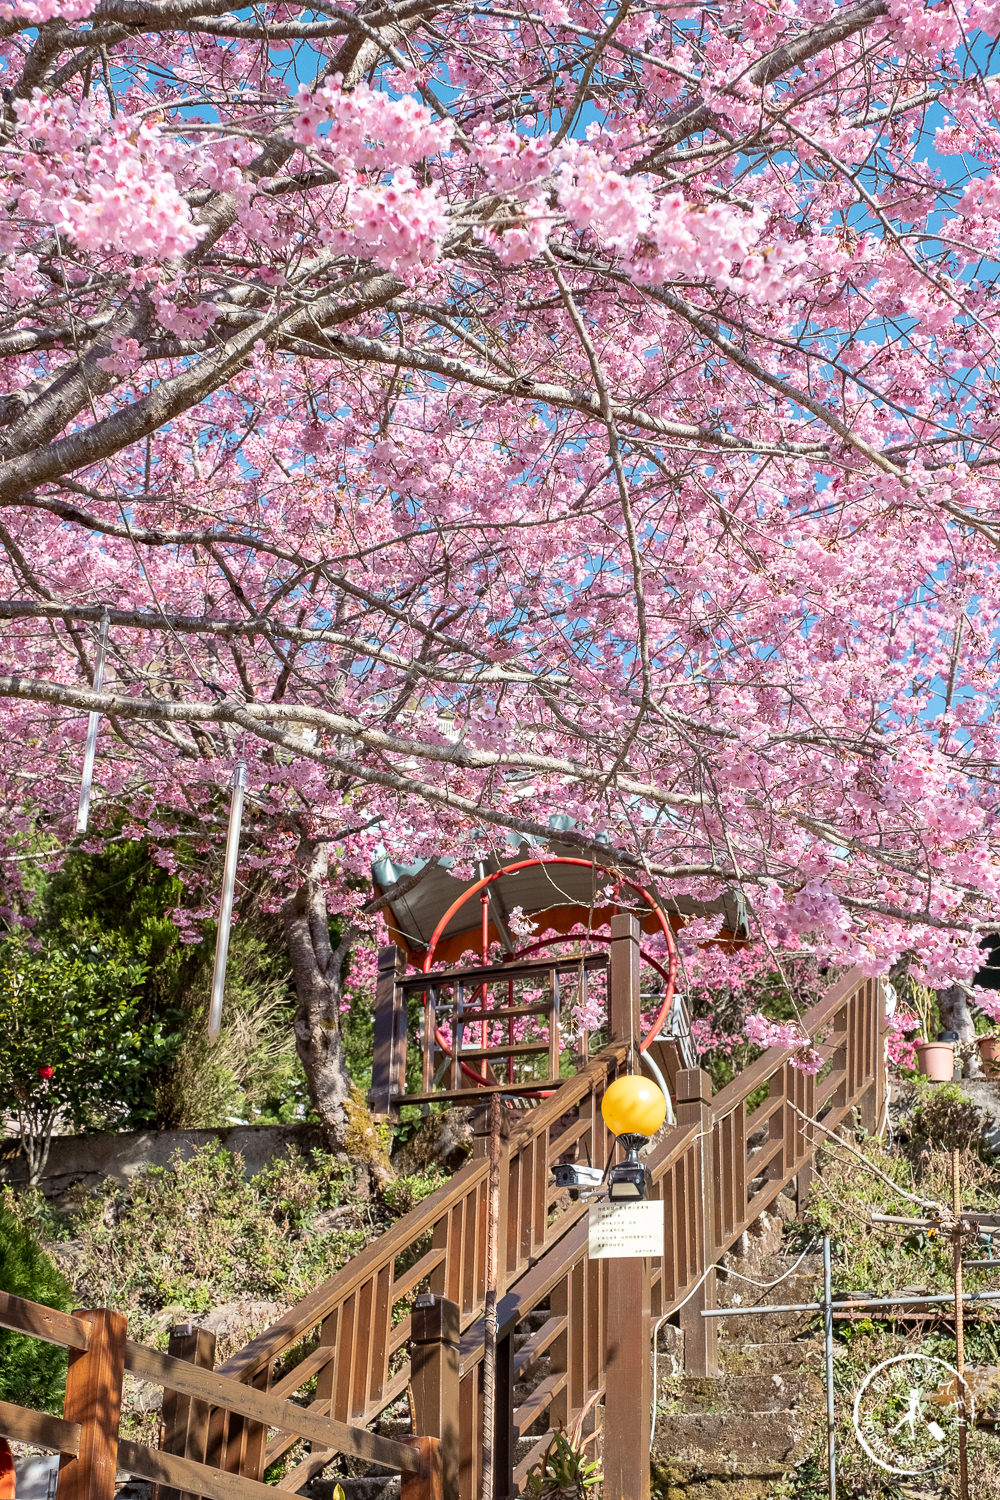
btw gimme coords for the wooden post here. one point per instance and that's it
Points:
(389, 1055)
(628, 1352)
(434, 1381)
(487, 1489)
(185, 1420)
(505, 1443)
(94, 1399)
(803, 1182)
(701, 1335)
(429, 1484)
(624, 1021)
(627, 1392)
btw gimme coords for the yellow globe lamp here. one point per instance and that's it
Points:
(633, 1105)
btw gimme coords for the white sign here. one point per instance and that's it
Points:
(907, 1413)
(625, 1229)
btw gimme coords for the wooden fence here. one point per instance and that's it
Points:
(408, 1311)
(93, 1451)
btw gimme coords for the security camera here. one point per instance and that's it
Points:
(570, 1174)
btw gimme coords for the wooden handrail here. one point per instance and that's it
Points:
(415, 1224)
(314, 1306)
(271, 1411)
(39, 1428)
(516, 969)
(97, 1397)
(45, 1323)
(571, 1092)
(749, 1079)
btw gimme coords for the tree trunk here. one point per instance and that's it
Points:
(956, 1016)
(318, 972)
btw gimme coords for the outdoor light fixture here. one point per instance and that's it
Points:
(630, 1181)
(632, 1105)
(633, 1109)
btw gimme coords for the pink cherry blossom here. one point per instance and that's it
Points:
(496, 434)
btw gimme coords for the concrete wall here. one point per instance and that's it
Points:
(88, 1159)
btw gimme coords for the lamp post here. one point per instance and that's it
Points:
(633, 1109)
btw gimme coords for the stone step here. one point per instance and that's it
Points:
(749, 1358)
(747, 1426)
(382, 1487)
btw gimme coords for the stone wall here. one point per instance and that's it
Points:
(86, 1160)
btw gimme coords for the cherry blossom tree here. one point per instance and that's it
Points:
(469, 411)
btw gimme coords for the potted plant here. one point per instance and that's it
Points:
(989, 1051)
(936, 1060)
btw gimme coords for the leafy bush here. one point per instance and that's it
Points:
(31, 1373)
(564, 1471)
(73, 1044)
(198, 1234)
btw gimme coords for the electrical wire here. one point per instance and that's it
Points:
(671, 1118)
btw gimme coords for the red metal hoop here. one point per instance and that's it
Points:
(479, 886)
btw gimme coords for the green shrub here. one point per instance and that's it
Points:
(32, 1374)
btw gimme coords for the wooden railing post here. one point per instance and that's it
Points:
(694, 1107)
(185, 1420)
(627, 1393)
(429, 1484)
(94, 1399)
(505, 1443)
(624, 1021)
(871, 1029)
(389, 1054)
(434, 1339)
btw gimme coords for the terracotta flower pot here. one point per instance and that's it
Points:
(989, 1051)
(936, 1060)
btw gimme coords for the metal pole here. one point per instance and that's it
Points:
(850, 1305)
(831, 1438)
(490, 1307)
(93, 723)
(226, 905)
(956, 1241)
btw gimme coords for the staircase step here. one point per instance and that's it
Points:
(741, 1395)
(382, 1487)
(751, 1425)
(749, 1358)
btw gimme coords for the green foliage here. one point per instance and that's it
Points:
(252, 1073)
(32, 1374)
(198, 1233)
(563, 1472)
(124, 901)
(73, 1042)
(886, 1260)
(139, 916)
(126, 897)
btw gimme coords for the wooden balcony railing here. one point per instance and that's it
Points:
(499, 1025)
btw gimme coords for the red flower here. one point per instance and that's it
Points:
(46, 1072)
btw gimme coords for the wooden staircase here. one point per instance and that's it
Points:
(408, 1312)
(406, 1315)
